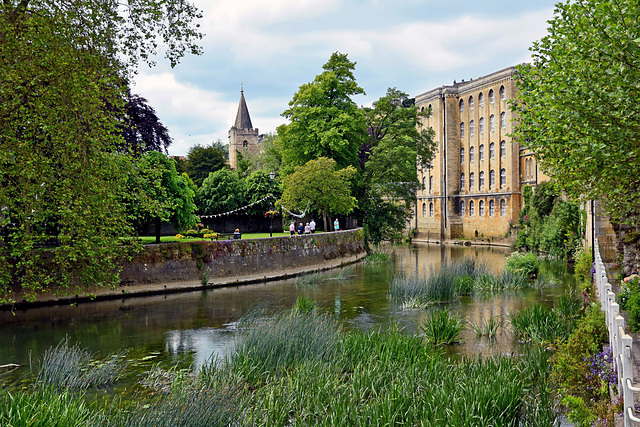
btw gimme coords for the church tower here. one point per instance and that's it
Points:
(243, 137)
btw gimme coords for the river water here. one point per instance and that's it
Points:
(194, 326)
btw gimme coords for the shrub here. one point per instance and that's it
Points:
(526, 262)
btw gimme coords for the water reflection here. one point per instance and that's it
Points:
(202, 322)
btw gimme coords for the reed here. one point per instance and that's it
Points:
(442, 326)
(539, 324)
(376, 257)
(488, 327)
(314, 279)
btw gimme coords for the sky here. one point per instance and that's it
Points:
(272, 47)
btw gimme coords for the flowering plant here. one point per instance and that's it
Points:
(270, 213)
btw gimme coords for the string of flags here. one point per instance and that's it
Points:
(303, 214)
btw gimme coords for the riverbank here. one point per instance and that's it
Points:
(503, 243)
(193, 266)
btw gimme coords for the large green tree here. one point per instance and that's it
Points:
(202, 160)
(324, 120)
(221, 192)
(63, 68)
(322, 186)
(578, 104)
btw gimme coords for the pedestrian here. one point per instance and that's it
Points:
(336, 225)
(312, 226)
(300, 229)
(237, 234)
(307, 229)
(292, 228)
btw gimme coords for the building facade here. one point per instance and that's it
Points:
(473, 187)
(243, 137)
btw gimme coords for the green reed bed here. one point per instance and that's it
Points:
(486, 328)
(376, 257)
(441, 326)
(540, 324)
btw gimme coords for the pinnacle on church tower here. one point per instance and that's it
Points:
(243, 137)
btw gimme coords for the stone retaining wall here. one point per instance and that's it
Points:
(188, 261)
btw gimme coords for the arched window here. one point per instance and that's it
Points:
(503, 120)
(503, 95)
(481, 100)
(471, 128)
(492, 208)
(481, 208)
(424, 183)
(462, 130)
(481, 183)
(471, 103)
(244, 144)
(492, 98)
(424, 210)
(503, 149)
(431, 183)
(492, 151)
(503, 207)
(481, 125)
(492, 123)
(462, 105)
(422, 109)
(481, 152)
(461, 207)
(431, 209)
(472, 154)
(533, 168)
(503, 178)
(471, 210)
(492, 178)
(461, 181)
(462, 155)
(471, 180)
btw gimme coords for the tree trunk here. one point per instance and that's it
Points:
(157, 227)
(324, 219)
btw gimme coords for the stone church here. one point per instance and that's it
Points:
(243, 137)
(474, 185)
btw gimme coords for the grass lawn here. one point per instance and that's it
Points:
(164, 239)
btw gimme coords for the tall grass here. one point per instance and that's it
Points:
(540, 324)
(488, 327)
(376, 257)
(442, 326)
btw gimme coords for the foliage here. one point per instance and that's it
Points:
(578, 104)
(257, 186)
(442, 326)
(141, 128)
(323, 119)
(376, 257)
(201, 161)
(540, 324)
(222, 191)
(582, 267)
(526, 262)
(321, 184)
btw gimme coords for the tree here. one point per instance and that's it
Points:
(396, 147)
(201, 161)
(258, 186)
(141, 128)
(578, 104)
(62, 68)
(323, 186)
(222, 191)
(324, 120)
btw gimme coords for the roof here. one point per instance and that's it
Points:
(243, 121)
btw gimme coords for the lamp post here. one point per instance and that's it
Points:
(272, 175)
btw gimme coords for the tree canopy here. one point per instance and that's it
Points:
(202, 160)
(141, 128)
(578, 104)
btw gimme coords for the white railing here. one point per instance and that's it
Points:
(621, 343)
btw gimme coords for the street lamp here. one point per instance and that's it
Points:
(272, 175)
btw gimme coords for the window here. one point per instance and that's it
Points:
(527, 168)
(462, 105)
(431, 183)
(472, 154)
(431, 209)
(461, 181)
(503, 95)
(424, 210)
(492, 98)
(481, 100)
(461, 207)
(503, 207)
(481, 125)
(471, 128)
(471, 180)
(503, 178)
(492, 208)
(481, 152)
(492, 178)
(471, 210)
(244, 144)
(462, 130)
(481, 180)
(492, 151)
(471, 103)
(503, 120)
(424, 183)
(492, 123)
(481, 208)
(503, 149)
(462, 155)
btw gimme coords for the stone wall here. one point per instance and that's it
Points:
(189, 261)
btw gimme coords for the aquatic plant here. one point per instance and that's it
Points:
(376, 257)
(526, 262)
(540, 324)
(440, 326)
(488, 327)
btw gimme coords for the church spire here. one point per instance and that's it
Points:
(243, 121)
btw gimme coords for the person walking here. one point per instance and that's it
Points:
(292, 228)
(312, 226)
(336, 225)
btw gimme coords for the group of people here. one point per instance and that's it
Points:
(309, 228)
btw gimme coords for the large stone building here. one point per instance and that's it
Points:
(243, 137)
(474, 185)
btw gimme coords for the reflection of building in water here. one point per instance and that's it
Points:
(207, 344)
